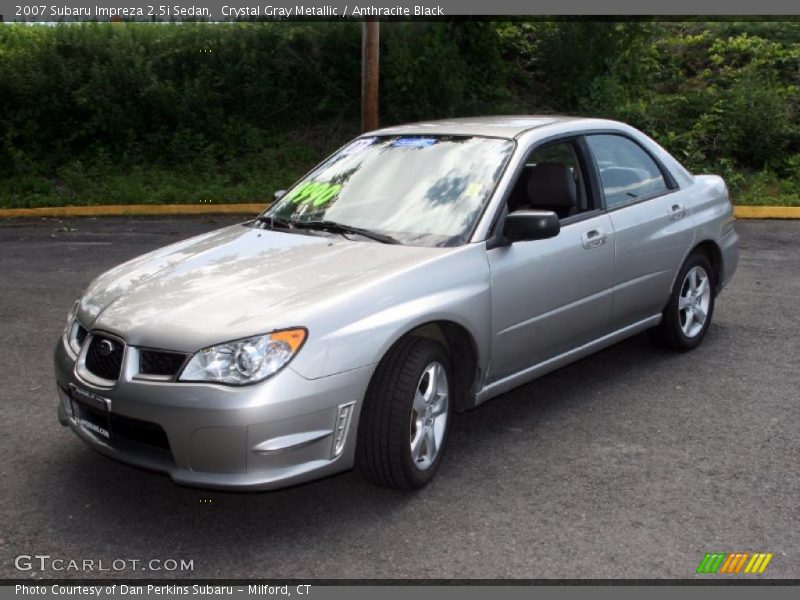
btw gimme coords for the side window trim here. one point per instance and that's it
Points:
(585, 162)
(592, 172)
(582, 216)
(501, 209)
(634, 201)
(671, 185)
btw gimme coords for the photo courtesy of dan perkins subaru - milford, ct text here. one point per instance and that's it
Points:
(160, 590)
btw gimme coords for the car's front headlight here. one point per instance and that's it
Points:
(245, 361)
(74, 332)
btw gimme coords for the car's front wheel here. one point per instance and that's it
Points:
(688, 314)
(406, 415)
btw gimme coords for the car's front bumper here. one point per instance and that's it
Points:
(264, 436)
(729, 245)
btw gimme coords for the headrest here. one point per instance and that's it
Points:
(552, 184)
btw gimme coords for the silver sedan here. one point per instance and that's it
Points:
(416, 273)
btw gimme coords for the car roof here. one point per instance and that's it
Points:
(507, 126)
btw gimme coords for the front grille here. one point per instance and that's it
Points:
(158, 362)
(104, 357)
(141, 432)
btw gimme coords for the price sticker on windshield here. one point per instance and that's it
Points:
(473, 190)
(314, 193)
(414, 142)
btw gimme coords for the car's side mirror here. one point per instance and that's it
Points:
(525, 225)
(278, 195)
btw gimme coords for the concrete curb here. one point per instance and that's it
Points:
(767, 212)
(132, 210)
(146, 210)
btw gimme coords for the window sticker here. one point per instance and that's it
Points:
(314, 193)
(473, 190)
(414, 142)
(357, 146)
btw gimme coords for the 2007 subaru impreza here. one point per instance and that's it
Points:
(416, 273)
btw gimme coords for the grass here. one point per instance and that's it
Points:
(249, 179)
(767, 189)
(252, 177)
(142, 186)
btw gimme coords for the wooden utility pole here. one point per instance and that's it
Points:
(370, 48)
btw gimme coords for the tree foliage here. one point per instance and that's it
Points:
(173, 112)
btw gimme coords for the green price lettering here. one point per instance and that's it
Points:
(315, 193)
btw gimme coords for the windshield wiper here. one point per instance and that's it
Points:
(275, 222)
(331, 226)
(334, 227)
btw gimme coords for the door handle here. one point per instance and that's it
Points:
(676, 212)
(593, 238)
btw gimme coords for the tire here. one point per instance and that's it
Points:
(680, 328)
(390, 422)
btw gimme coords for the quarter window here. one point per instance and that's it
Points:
(627, 172)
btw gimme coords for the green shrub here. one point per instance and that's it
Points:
(95, 113)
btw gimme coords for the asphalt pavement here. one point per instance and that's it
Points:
(632, 463)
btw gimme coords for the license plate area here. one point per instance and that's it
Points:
(91, 411)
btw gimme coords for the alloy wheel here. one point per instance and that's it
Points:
(429, 416)
(694, 301)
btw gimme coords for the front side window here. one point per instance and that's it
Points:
(552, 179)
(420, 190)
(627, 172)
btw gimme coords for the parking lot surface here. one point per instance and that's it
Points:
(632, 463)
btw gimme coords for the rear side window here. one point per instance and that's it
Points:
(627, 171)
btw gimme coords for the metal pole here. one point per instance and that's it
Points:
(370, 48)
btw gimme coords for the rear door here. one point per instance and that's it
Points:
(652, 226)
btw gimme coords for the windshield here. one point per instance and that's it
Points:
(420, 190)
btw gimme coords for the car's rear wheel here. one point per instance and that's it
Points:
(406, 415)
(688, 314)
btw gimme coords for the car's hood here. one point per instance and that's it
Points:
(234, 283)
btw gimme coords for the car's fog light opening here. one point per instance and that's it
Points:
(343, 418)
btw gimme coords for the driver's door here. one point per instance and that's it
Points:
(552, 295)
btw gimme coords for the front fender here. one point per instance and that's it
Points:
(452, 287)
